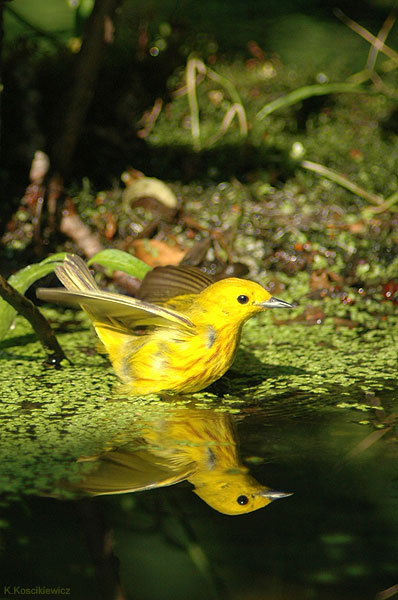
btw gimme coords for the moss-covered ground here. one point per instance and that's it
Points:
(248, 200)
(300, 196)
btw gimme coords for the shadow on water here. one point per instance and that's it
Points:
(20, 340)
(249, 372)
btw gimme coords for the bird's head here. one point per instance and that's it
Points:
(235, 493)
(236, 300)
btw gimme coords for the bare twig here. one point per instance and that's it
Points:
(195, 72)
(386, 205)
(226, 84)
(388, 593)
(377, 45)
(72, 226)
(89, 244)
(194, 65)
(235, 109)
(149, 119)
(40, 325)
(341, 180)
(366, 443)
(381, 37)
(369, 37)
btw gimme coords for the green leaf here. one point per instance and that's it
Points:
(21, 281)
(117, 260)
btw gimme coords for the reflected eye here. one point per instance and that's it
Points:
(242, 299)
(242, 500)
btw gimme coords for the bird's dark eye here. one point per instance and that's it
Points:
(242, 500)
(242, 299)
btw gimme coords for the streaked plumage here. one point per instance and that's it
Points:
(179, 335)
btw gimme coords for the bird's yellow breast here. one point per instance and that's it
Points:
(168, 360)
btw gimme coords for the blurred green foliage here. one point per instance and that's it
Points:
(152, 41)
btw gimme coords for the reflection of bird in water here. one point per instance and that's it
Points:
(189, 326)
(191, 444)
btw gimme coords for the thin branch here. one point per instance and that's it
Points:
(367, 442)
(381, 36)
(381, 86)
(193, 66)
(40, 325)
(149, 119)
(365, 34)
(72, 226)
(341, 180)
(305, 92)
(239, 111)
(226, 84)
(387, 593)
(389, 203)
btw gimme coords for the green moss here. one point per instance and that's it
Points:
(50, 418)
(286, 224)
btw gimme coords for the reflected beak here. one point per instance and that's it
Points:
(275, 303)
(274, 494)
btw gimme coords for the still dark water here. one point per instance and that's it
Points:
(335, 538)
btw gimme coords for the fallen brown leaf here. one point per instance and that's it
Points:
(156, 253)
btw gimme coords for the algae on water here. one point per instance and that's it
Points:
(50, 418)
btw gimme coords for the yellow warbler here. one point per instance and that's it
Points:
(179, 335)
(197, 445)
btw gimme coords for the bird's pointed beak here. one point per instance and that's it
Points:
(274, 494)
(275, 303)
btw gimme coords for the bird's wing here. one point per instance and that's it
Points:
(119, 472)
(121, 313)
(118, 312)
(163, 283)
